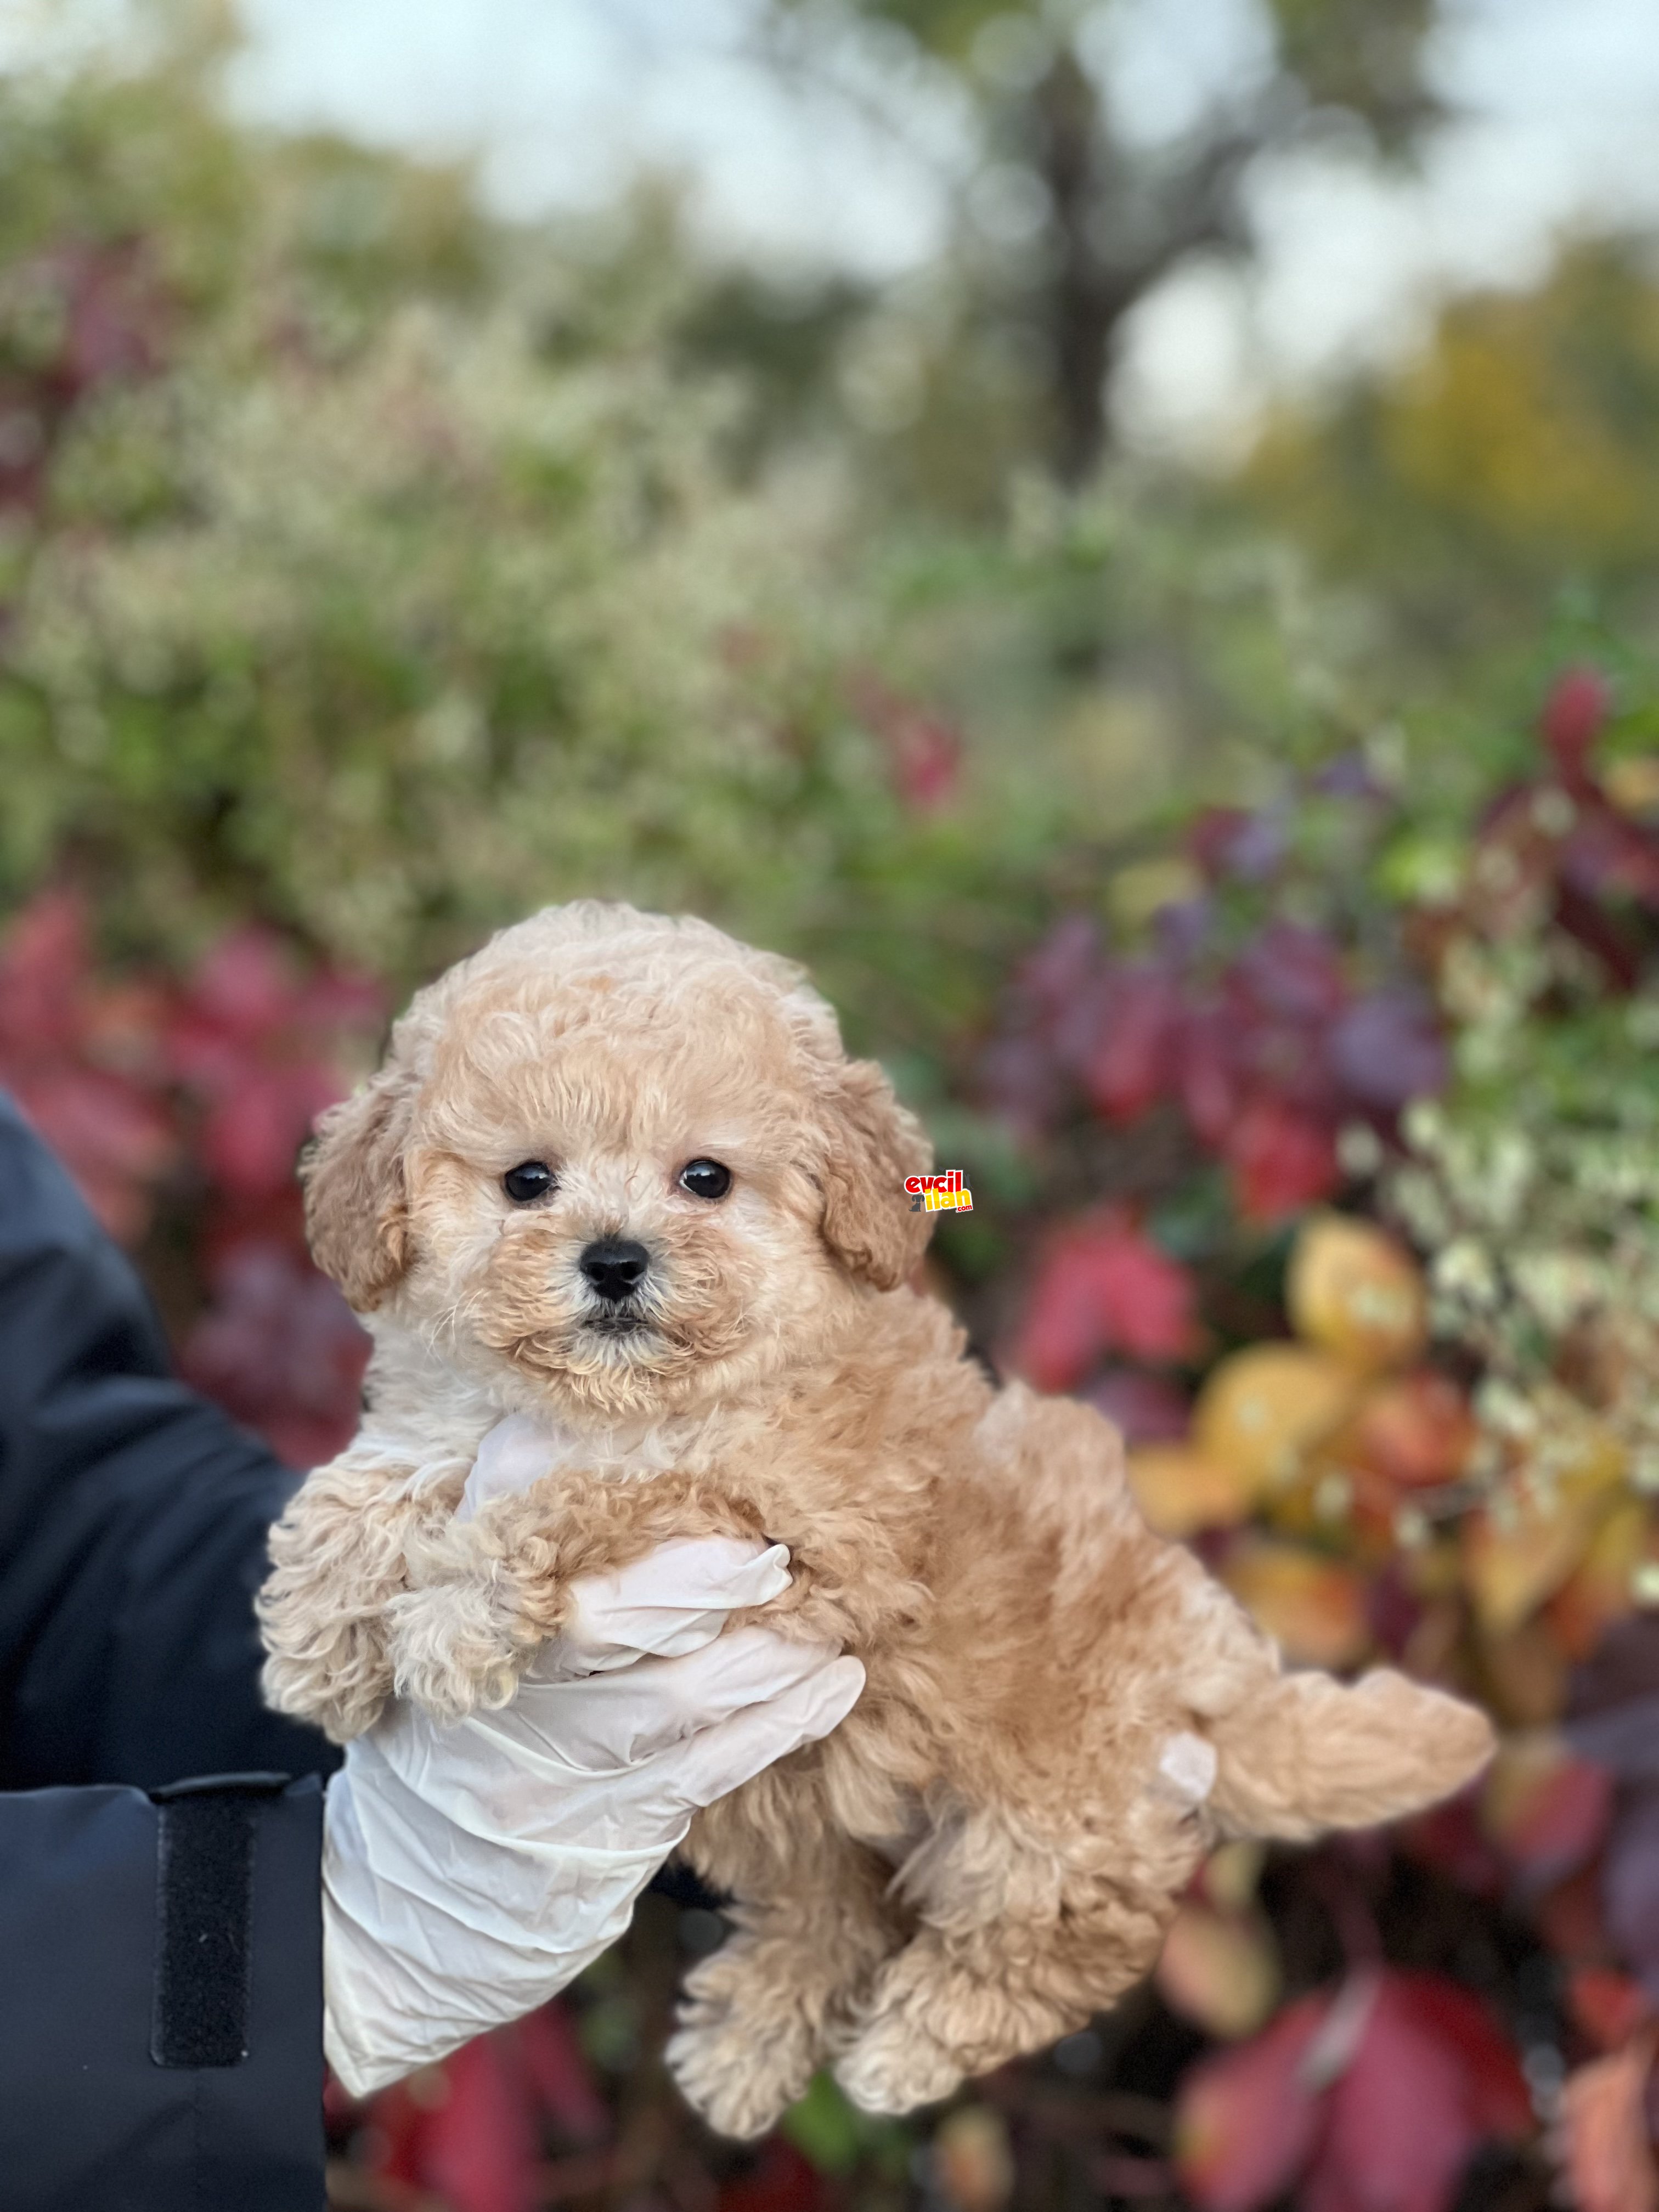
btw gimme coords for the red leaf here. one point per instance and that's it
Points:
(114, 1138)
(780, 2180)
(1206, 1072)
(1417, 2074)
(400, 2117)
(1430, 2079)
(1604, 2131)
(252, 1136)
(481, 2150)
(1579, 702)
(1132, 1063)
(1247, 2119)
(256, 1043)
(1450, 1838)
(280, 1349)
(1416, 1431)
(924, 750)
(1500, 2102)
(44, 973)
(558, 2070)
(927, 760)
(1558, 1823)
(1281, 1160)
(245, 987)
(81, 1064)
(1607, 2006)
(1103, 1287)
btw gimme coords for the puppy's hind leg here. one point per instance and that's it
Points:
(769, 2007)
(1016, 1949)
(949, 2007)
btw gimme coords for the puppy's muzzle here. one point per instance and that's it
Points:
(615, 1267)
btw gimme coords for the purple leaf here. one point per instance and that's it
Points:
(1293, 972)
(1147, 1409)
(1629, 1886)
(1384, 1049)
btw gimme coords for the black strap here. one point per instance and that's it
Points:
(204, 1874)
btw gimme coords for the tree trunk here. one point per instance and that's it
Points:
(1083, 305)
(1114, 235)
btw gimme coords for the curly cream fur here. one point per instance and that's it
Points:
(989, 1848)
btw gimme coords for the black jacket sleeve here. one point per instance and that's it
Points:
(161, 2002)
(160, 2007)
(132, 1520)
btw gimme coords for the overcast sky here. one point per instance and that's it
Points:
(561, 100)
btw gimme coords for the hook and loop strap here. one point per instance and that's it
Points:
(204, 1878)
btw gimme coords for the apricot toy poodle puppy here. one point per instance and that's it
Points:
(618, 1175)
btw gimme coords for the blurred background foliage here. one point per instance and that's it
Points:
(1252, 871)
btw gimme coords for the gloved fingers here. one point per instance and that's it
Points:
(469, 1871)
(609, 1722)
(671, 1602)
(689, 1574)
(720, 1759)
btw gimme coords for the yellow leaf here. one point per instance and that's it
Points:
(1598, 1590)
(1314, 1607)
(1525, 1674)
(973, 2165)
(1358, 1293)
(1511, 1568)
(1231, 1872)
(1178, 1491)
(1219, 1970)
(1521, 1548)
(1262, 1408)
(1632, 783)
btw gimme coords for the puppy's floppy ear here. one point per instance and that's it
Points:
(357, 1202)
(872, 1143)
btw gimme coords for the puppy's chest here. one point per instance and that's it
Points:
(523, 1449)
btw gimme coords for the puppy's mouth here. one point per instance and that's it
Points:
(617, 1323)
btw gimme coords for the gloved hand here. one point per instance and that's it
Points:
(470, 1871)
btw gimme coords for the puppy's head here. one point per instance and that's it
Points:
(622, 1158)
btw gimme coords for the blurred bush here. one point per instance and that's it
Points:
(1274, 946)
(378, 574)
(1514, 454)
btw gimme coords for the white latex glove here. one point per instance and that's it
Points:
(470, 1871)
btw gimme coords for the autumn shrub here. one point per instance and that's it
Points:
(1345, 1209)
(1339, 1194)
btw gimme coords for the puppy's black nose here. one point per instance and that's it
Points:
(615, 1267)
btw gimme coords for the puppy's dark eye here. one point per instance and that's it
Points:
(706, 1179)
(530, 1179)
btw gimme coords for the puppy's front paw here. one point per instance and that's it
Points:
(743, 2053)
(340, 1686)
(449, 1652)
